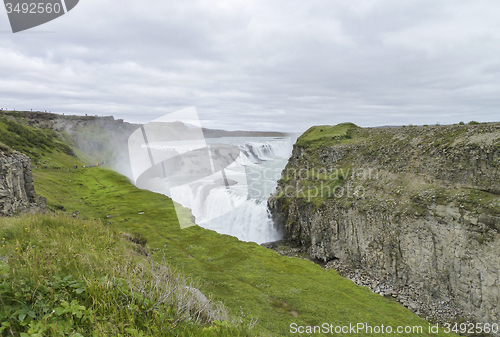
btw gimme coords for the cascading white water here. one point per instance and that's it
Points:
(224, 181)
(263, 159)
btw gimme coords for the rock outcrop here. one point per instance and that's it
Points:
(413, 213)
(17, 191)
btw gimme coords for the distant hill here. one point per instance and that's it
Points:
(214, 133)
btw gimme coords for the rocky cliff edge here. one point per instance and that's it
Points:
(411, 212)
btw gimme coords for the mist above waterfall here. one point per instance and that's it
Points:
(262, 160)
(225, 181)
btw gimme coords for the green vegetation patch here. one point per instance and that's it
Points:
(61, 276)
(326, 135)
(255, 284)
(31, 141)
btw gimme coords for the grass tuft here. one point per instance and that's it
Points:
(61, 276)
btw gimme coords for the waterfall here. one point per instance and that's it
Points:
(236, 203)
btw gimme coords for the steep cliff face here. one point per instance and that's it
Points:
(17, 191)
(413, 208)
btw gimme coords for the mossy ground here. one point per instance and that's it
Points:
(61, 276)
(403, 169)
(326, 135)
(253, 282)
(248, 278)
(29, 140)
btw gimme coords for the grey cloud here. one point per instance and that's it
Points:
(282, 65)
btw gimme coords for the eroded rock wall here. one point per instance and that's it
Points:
(17, 190)
(425, 222)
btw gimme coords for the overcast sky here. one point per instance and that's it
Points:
(261, 65)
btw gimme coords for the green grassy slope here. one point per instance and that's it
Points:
(69, 277)
(265, 285)
(326, 135)
(252, 281)
(29, 140)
